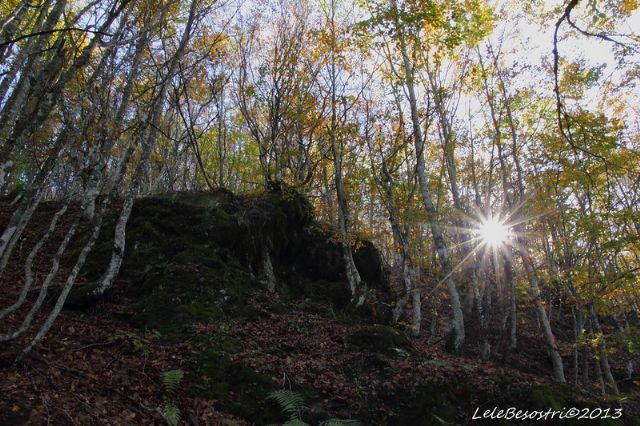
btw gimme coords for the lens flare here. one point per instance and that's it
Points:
(493, 232)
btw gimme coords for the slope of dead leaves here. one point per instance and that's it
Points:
(96, 368)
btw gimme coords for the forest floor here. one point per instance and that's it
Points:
(100, 366)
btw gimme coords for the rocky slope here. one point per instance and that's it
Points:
(190, 326)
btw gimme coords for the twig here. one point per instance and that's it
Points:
(42, 398)
(90, 409)
(37, 33)
(145, 409)
(94, 345)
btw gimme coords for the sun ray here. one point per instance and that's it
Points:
(453, 269)
(494, 232)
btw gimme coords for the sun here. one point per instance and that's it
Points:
(493, 232)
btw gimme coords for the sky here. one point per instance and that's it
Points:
(537, 43)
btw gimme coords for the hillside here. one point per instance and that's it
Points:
(191, 329)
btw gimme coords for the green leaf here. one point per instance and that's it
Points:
(295, 422)
(290, 402)
(171, 379)
(341, 422)
(171, 414)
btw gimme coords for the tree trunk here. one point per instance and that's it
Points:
(53, 271)
(71, 278)
(457, 320)
(147, 138)
(35, 116)
(28, 266)
(268, 276)
(357, 287)
(513, 313)
(552, 348)
(80, 260)
(604, 356)
(107, 139)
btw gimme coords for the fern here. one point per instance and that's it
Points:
(171, 414)
(171, 380)
(293, 404)
(290, 402)
(340, 422)
(295, 422)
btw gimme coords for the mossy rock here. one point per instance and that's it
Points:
(381, 339)
(81, 296)
(369, 263)
(198, 256)
(321, 257)
(173, 297)
(295, 206)
(336, 293)
(558, 396)
(224, 235)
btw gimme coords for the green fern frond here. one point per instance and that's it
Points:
(340, 422)
(295, 422)
(171, 414)
(290, 402)
(171, 380)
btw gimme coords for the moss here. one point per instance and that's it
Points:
(341, 316)
(221, 237)
(80, 296)
(237, 389)
(181, 259)
(193, 288)
(543, 397)
(300, 326)
(428, 404)
(279, 308)
(218, 341)
(335, 293)
(321, 256)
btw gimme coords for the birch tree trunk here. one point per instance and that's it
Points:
(552, 348)
(10, 26)
(604, 356)
(404, 259)
(148, 142)
(71, 278)
(356, 285)
(35, 116)
(32, 53)
(28, 266)
(53, 271)
(623, 327)
(96, 225)
(32, 197)
(457, 319)
(513, 313)
(107, 140)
